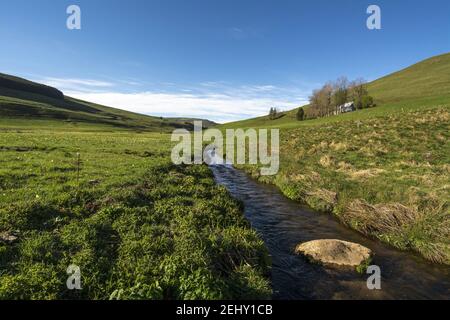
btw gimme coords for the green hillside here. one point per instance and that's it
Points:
(425, 84)
(26, 103)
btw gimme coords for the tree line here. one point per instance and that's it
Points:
(327, 100)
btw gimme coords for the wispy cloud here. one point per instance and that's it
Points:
(80, 85)
(241, 33)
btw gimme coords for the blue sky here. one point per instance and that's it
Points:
(219, 59)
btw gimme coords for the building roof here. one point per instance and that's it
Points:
(348, 104)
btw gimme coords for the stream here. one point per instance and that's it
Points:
(283, 224)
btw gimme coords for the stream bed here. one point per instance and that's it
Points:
(283, 224)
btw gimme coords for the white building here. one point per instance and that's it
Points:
(347, 107)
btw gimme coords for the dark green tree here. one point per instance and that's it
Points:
(367, 102)
(273, 113)
(300, 114)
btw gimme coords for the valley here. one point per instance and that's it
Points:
(95, 186)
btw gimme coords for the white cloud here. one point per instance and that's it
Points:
(214, 106)
(218, 101)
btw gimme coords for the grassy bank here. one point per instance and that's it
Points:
(385, 175)
(137, 226)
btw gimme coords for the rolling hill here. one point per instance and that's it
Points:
(424, 84)
(26, 102)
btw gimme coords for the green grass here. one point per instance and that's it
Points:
(137, 226)
(383, 171)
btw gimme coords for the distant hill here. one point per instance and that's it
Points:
(206, 123)
(21, 99)
(424, 84)
(19, 84)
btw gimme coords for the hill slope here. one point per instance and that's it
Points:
(27, 102)
(424, 84)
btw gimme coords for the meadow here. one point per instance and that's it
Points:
(111, 202)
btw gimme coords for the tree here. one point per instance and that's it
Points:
(341, 89)
(327, 100)
(273, 113)
(314, 104)
(300, 114)
(367, 102)
(358, 91)
(320, 101)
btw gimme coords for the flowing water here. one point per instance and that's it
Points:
(283, 224)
